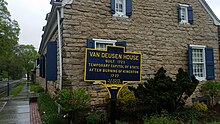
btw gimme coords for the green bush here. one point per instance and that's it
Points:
(38, 89)
(94, 118)
(48, 109)
(164, 93)
(35, 87)
(56, 119)
(200, 106)
(212, 89)
(126, 99)
(120, 122)
(163, 119)
(73, 102)
(189, 115)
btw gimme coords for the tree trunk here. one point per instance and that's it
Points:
(28, 76)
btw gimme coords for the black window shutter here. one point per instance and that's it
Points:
(121, 43)
(51, 62)
(113, 7)
(210, 75)
(41, 66)
(190, 14)
(179, 12)
(190, 65)
(90, 43)
(128, 7)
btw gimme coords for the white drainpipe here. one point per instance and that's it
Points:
(60, 49)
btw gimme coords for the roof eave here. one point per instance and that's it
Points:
(210, 12)
(50, 26)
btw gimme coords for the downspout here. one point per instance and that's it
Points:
(59, 16)
(60, 49)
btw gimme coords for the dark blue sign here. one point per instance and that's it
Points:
(113, 66)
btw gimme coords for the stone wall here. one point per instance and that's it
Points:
(153, 30)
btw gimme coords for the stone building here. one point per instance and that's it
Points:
(169, 33)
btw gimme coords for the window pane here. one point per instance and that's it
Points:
(183, 13)
(119, 5)
(102, 46)
(197, 55)
(198, 70)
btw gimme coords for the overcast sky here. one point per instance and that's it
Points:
(31, 14)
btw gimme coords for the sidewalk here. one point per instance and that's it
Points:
(18, 109)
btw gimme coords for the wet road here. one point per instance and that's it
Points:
(16, 110)
(4, 84)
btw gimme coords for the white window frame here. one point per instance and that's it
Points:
(121, 14)
(204, 63)
(104, 41)
(186, 21)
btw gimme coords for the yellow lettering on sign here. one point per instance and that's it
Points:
(94, 54)
(131, 57)
(111, 56)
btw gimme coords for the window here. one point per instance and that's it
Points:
(201, 62)
(121, 8)
(198, 60)
(102, 44)
(185, 14)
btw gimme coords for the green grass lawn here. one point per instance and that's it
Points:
(18, 89)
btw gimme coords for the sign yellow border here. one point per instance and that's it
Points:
(104, 81)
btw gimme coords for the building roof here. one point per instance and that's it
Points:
(210, 12)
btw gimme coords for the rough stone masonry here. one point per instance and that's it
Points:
(153, 29)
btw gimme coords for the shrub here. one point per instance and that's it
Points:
(94, 118)
(200, 106)
(162, 93)
(56, 119)
(48, 109)
(212, 89)
(126, 99)
(73, 101)
(188, 115)
(36, 88)
(163, 119)
(120, 122)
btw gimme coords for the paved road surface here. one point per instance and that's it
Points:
(4, 84)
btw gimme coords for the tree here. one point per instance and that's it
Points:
(28, 56)
(212, 89)
(185, 86)
(162, 93)
(9, 31)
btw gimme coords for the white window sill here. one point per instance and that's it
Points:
(201, 78)
(184, 22)
(120, 15)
